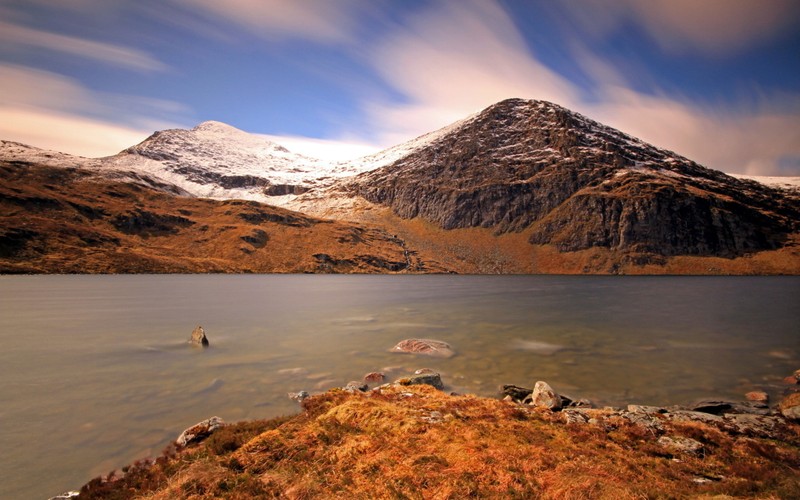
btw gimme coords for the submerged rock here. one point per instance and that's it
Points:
(199, 431)
(199, 337)
(757, 397)
(428, 347)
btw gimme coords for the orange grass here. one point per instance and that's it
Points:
(417, 442)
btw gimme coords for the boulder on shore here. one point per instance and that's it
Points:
(428, 347)
(199, 431)
(432, 379)
(544, 396)
(790, 406)
(199, 337)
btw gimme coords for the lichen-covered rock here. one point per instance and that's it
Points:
(428, 347)
(199, 431)
(543, 396)
(199, 337)
(790, 407)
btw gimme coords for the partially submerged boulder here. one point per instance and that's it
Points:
(199, 431)
(199, 337)
(428, 347)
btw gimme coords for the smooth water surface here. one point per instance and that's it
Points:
(96, 371)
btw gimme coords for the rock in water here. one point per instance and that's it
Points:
(199, 337)
(424, 346)
(757, 396)
(199, 431)
(375, 377)
(545, 397)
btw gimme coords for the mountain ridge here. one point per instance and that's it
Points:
(563, 182)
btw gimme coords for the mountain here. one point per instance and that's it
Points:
(568, 181)
(215, 160)
(520, 187)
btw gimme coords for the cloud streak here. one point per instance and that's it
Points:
(107, 53)
(318, 20)
(451, 61)
(713, 27)
(51, 111)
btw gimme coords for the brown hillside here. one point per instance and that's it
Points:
(65, 220)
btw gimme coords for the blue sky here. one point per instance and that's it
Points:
(715, 80)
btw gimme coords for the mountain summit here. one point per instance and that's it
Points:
(568, 181)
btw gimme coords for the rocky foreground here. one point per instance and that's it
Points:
(411, 439)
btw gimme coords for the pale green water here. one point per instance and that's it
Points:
(96, 373)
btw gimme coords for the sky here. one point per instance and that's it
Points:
(717, 81)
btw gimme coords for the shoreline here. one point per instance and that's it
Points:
(416, 408)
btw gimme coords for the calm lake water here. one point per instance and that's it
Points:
(96, 371)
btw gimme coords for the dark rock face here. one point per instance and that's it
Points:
(578, 184)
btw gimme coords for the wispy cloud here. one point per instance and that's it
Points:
(454, 59)
(52, 111)
(319, 20)
(108, 53)
(755, 142)
(713, 27)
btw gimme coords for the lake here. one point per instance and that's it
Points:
(97, 372)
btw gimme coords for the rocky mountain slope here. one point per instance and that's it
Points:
(571, 182)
